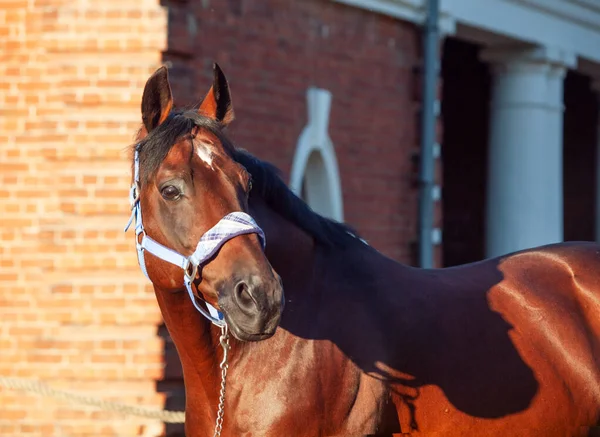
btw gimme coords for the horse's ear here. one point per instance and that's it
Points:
(157, 100)
(217, 103)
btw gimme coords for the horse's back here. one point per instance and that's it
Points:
(564, 277)
(518, 345)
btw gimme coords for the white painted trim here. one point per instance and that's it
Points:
(592, 4)
(569, 25)
(314, 137)
(522, 22)
(407, 10)
(587, 14)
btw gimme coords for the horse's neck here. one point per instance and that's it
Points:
(199, 352)
(311, 272)
(289, 250)
(311, 276)
(352, 297)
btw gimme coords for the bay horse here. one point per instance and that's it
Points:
(357, 344)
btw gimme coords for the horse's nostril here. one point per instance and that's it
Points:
(244, 297)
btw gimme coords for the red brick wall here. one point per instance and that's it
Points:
(75, 310)
(272, 51)
(74, 307)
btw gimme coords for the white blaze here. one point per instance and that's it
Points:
(205, 154)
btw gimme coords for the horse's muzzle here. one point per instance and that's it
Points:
(252, 306)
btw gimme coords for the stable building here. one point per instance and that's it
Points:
(520, 121)
(331, 92)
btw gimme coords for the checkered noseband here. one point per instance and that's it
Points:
(230, 226)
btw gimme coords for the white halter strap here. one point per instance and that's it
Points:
(230, 226)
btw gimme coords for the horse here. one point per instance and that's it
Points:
(329, 337)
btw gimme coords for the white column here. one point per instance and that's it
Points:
(525, 190)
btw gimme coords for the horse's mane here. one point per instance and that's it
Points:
(267, 182)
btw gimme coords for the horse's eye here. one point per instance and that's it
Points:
(249, 184)
(170, 192)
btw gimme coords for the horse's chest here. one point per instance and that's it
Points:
(308, 395)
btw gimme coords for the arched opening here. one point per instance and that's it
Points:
(315, 186)
(315, 176)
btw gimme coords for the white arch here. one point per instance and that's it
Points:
(315, 158)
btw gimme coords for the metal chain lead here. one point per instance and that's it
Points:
(224, 340)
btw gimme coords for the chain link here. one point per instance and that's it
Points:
(224, 340)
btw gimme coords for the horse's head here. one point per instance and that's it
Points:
(188, 183)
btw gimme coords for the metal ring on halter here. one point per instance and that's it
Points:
(139, 238)
(134, 194)
(190, 274)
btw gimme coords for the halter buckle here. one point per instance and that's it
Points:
(190, 274)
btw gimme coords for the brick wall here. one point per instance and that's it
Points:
(271, 51)
(74, 308)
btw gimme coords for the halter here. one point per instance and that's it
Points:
(230, 226)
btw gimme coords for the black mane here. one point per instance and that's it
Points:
(266, 178)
